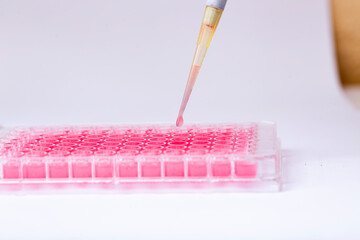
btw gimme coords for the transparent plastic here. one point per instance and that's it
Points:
(209, 24)
(242, 156)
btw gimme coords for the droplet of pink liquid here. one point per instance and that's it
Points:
(179, 121)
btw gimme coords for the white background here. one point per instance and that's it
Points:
(96, 62)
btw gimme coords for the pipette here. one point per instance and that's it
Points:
(213, 11)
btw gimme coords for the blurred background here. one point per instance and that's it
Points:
(346, 20)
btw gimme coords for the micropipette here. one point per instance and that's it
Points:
(212, 15)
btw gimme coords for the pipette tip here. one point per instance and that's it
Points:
(179, 121)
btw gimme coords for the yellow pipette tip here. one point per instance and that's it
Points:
(209, 23)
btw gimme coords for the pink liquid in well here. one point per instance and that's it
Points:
(11, 170)
(34, 170)
(151, 169)
(104, 169)
(128, 169)
(72, 153)
(81, 169)
(174, 169)
(197, 169)
(59, 169)
(246, 169)
(221, 168)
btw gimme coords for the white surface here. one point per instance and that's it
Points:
(127, 61)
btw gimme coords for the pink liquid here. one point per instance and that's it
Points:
(59, 169)
(194, 72)
(81, 169)
(142, 143)
(34, 170)
(245, 169)
(180, 121)
(197, 169)
(104, 169)
(151, 169)
(221, 168)
(11, 170)
(174, 169)
(128, 169)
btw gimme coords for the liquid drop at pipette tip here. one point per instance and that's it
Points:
(179, 121)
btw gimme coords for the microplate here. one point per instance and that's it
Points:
(236, 157)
